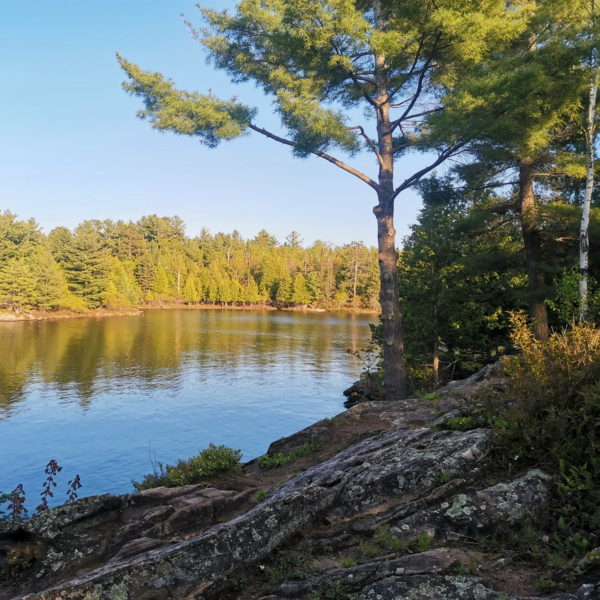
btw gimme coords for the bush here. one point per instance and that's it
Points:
(73, 303)
(209, 462)
(552, 412)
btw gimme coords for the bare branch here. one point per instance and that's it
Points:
(369, 141)
(324, 155)
(416, 177)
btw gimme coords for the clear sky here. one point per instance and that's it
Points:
(72, 149)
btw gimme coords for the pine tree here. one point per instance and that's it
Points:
(17, 285)
(300, 293)
(161, 281)
(87, 266)
(284, 289)
(251, 293)
(144, 272)
(51, 285)
(190, 290)
(318, 62)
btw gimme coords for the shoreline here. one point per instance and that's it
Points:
(8, 316)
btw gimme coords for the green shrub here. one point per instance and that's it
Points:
(261, 495)
(424, 541)
(272, 461)
(209, 462)
(551, 411)
(347, 562)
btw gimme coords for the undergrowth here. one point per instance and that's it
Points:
(550, 414)
(211, 461)
(272, 461)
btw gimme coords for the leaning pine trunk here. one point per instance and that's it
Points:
(533, 250)
(584, 245)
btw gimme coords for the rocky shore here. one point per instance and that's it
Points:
(386, 508)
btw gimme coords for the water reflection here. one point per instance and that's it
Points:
(179, 378)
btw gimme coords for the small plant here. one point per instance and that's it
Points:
(461, 570)
(17, 511)
(74, 486)
(542, 583)
(52, 470)
(370, 549)
(424, 541)
(334, 421)
(278, 485)
(272, 461)
(443, 477)
(386, 540)
(430, 397)
(347, 562)
(261, 495)
(211, 461)
(277, 574)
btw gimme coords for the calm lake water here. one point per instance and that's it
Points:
(97, 394)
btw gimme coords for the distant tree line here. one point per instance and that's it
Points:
(119, 265)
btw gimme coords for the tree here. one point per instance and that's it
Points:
(590, 141)
(190, 291)
(87, 265)
(293, 240)
(144, 272)
(51, 286)
(17, 284)
(516, 106)
(251, 293)
(320, 60)
(300, 293)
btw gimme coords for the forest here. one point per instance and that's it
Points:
(152, 262)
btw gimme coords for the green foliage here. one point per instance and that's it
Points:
(347, 562)
(261, 495)
(424, 541)
(551, 410)
(386, 540)
(212, 461)
(87, 265)
(272, 461)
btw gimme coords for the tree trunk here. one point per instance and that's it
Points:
(533, 250)
(436, 348)
(355, 280)
(391, 319)
(584, 245)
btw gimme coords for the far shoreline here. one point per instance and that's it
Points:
(9, 316)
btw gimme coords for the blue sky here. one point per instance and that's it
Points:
(72, 149)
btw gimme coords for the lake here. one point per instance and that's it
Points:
(102, 396)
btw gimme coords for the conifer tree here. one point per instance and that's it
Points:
(190, 291)
(300, 293)
(17, 284)
(318, 59)
(251, 293)
(51, 285)
(87, 265)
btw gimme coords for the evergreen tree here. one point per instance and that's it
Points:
(300, 293)
(51, 286)
(251, 293)
(87, 266)
(190, 291)
(17, 284)
(284, 289)
(144, 272)
(318, 61)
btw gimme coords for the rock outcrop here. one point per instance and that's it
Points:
(386, 509)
